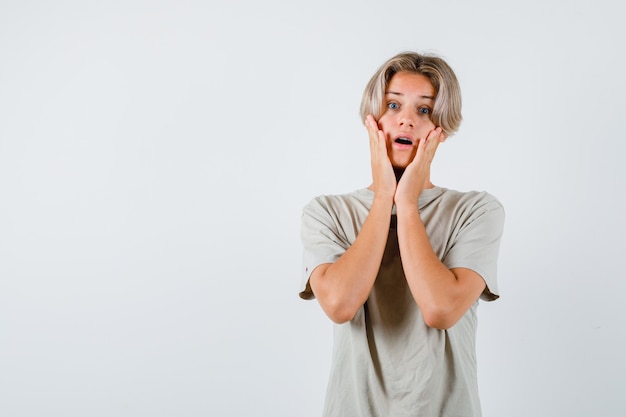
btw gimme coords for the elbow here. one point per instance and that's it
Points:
(339, 312)
(439, 318)
(339, 306)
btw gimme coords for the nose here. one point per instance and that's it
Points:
(406, 119)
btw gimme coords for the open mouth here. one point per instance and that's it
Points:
(404, 141)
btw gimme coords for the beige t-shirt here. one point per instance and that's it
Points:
(386, 361)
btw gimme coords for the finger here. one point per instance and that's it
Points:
(377, 136)
(370, 124)
(372, 130)
(436, 134)
(431, 142)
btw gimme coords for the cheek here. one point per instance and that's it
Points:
(383, 123)
(428, 125)
(386, 123)
(383, 120)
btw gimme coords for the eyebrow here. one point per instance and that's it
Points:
(401, 94)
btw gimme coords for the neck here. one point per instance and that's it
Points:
(398, 172)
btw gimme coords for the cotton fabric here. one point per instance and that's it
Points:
(386, 361)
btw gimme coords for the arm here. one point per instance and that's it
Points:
(442, 294)
(342, 287)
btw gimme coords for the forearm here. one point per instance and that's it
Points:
(343, 287)
(433, 286)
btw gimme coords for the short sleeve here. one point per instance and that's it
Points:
(476, 243)
(322, 241)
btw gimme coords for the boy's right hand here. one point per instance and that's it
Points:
(384, 179)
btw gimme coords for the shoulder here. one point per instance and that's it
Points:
(481, 201)
(335, 204)
(466, 207)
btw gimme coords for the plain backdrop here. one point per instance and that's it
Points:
(155, 157)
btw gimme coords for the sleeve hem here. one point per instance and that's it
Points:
(307, 293)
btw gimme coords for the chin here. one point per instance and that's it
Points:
(402, 162)
(400, 165)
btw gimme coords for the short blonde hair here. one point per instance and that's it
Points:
(447, 109)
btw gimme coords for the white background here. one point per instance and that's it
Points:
(155, 157)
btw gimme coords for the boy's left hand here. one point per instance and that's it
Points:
(417, 173)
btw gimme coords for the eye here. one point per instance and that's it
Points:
(393, 106)
(423, 110)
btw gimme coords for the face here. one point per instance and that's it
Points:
(406, 118)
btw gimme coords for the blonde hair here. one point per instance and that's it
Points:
(447, 108)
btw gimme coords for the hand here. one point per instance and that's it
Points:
(417, 173)
(384, 179)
